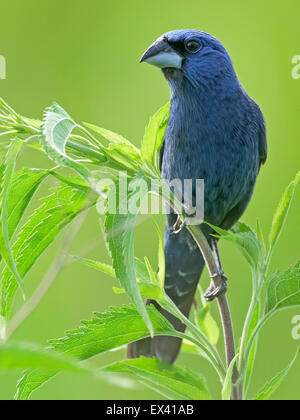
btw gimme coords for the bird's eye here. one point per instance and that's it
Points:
(193, 46)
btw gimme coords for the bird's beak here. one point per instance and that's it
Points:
(162, 55)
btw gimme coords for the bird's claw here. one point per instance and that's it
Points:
(216, 292)
(179, 225)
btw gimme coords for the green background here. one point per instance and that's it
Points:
(85, 55)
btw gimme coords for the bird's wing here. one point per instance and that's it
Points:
(161, 156)
(263, 147)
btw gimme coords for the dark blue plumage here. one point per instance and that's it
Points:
(216, 132)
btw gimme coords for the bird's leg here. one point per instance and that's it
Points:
(215, 292)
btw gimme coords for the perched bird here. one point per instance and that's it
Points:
(216, 132)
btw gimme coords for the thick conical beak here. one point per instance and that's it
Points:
(162, 55)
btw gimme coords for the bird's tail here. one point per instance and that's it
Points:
(184, 265)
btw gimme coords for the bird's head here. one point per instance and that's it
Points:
(190, 55)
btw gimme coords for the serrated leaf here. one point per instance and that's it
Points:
(282, 211)
(72, 181)
(283, 290)
(245, 238)
(120, 230)
(152, 275)
(154, 135)
(5, 184)
(151, 291)
(141, 269)
(97, 265)
(24, 184)
(142, 273)
(118, 143)
(266, 392)
(58, 126)
(104, 332)
(147, 290)
(56, 211)
(173, 382)
(21, 356)
(18, 356)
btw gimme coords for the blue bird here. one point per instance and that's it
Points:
(216, 132)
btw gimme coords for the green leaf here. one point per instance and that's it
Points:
(81, 149)
(21, 356)
(173, 382)
(147, 290)
(152, 275)
(120, 229)
(260, 235)
(196, 336)
(161, 257)
(253, 351)
(30, 356)
(151, 291)
(24, 184)
(189, 348)
(56, 211)
(266, 392)
(208, 325)
(141, 269)
(142, 273)
(118, 290)
(72, 181)
(282, 211)
(118, 143)
(227, 386)
(105, 332)
(58, 126)
(154, 135)
(245, 238)
(283, 290)
(6, 180)
(97, 265)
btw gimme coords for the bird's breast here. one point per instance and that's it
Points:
(219, 151)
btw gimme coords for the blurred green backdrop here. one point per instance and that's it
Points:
(85, 55)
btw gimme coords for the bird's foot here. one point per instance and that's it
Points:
(180, 225)
(189, 218)
(216, 292)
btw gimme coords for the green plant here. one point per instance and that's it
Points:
(94, 153)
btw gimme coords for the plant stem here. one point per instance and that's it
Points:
(203, 341)
(224, 309)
